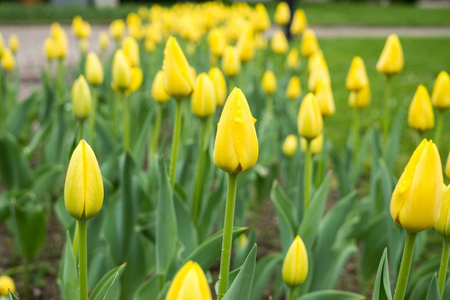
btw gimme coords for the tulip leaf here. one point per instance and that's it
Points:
(382, 288)
(69, 276)
(264, 272)
(446, 293)
(420, 289)
(108, 287)
(393, 141)
(17, 118)
(15, 171)
(241, 287)
(433, 289)
(147, 290)
(361, 156)
(185, 227)
(12, 296)
(331, 295)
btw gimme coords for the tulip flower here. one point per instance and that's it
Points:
(136, 79)
(269, 83)
(131, 50)
(421, 115)
(360, 99)
(391, 59)
(217, 42)
(81, 98)
(299, 22)
(49, 48)
(203, 100)
(103, 41)
(189, 283)
(292, 60)
(316, 145)
(262, 20)
(6, 285)
(158, 92)
(94, 70)
(220, 85)
(290, 145)
(295, 265)
(282, 13)
(279, 42)
(121, 72)
(441, 100)
(117, 29)
(325, 99)
(416, 203)
(8, 60)
(231, 64)
(357, 75)
(319, 72)
(309, 43)
(14, 43)
(76, 23)
(443, 228)
(150, 45)
(294, 89)
(246, 45)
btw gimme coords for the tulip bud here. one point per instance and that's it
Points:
(279, 42)
(294, 88)
(421, 115)
(357, 75)
(441, 91)
(360, 99)
(325, 99)
(243, 242)
(179, 81)
(94, 70)
(299, 22)
(14, 43)
(315, 59)
(220, 85)
(84, 31)
(149, 45)
(309, 121)
(415, 203)
(447, 167)
(121, 71)
(309, 43)
(203, 100)
(158, 92)
(262, 21)
(6, 285)
(236, 145)
(136, 79)
(295, 265)
(443, 224)
(246, 45)
(217, 42)
(189, 283)
(231, 64)
(117, 29)
(77, 21)
(81, 98)
(103, 41)
(8, 60)
(316, 145)
(269, 83)
(290, 145)
(49, 48)
(131, 50)
(83, 189)
(319, 73)
(282, 13)
(391, 59)
(292, 60)
(60, 41)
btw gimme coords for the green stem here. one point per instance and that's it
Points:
(156, 128)
(200, 166)
(59, 80)
(269, 103)
(355, 134)
(387, 112)
(175, 140)
(3, 112)
(321, 164)
(76, 236)
(83, 261)
(161, 281)
(307, 187)
(227, 236)
(231, 84)
(438, 129)
(80, 130)
(405, 266)
(93, 114)
(290, 295)
(27, 279)
(444, 265)
(126, 124)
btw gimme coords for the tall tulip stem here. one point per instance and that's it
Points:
(93, 113)
(175, 140)
(438, 129)
(227, 236)
(387, 112)
(308, 169)
(200, 167)
(444, 265)
(83, 260)
(156, 129)
(290, 295)
(355, 133)
(126, 124)
(405, 266)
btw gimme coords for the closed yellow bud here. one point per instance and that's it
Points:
(83, 189)
(8, 60)
(81, 98)
(441, 91)
(158, 92)
(309, 121)
(149, 45)
(84, 30)
(443, 223)
(295, 265)
(292, 60)
(49, 48)
(231, 64)
(103, 41)
(309, 43)
(131, 50)
(262, 19)
(60, 42)
(294, 89)
(220, 85)
(282, 13)
(6, 285)
(415, 203)
(315, 59)
(246, 45)
(447, 167)
(391, 59)
(325, 99)
(121, 71)
(316, 145)
(319, 73)
(137, 77)
(269, 83)
(421, 115)
(14, 43)
(299, 22)
(360, 99)
(179, 82)
(94, 70)
(189, 283)
(279, 42)
(357, 75)
(203, 99)
(77, 21)
(290, 145)
(117, 29)
(236, 145)
(217, 42)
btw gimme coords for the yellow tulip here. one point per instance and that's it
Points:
(292, 60)
(360, 99)
(84, 31)
(83, 189)
(6, 285)
(60, 41)
(295, 265)
(217, 42)
(158, 92)
(357, 75)
(309, 43)
(299, 22)
(220, 85)
(77, 21)
(14, 43)
(131, 50)
(231, 64)
(290, 145)
(49, 48)
(415, 203)
(81, 98)
(282, 13)
(203, 99)
(143, 12)
(316, 145)
(294, 89)
(443, 223)
(319, 73)
(421, 115)
(149, 45)
(441, 91)
(117, 29)
(391, 59)
(8, 60)
(121, 71)
(280, 44)
(325, 99)
(447, 167)
(136, 79)
(269, 83)
(103, 41)
(309, 121)
(179, 82)
(315, 59)
(189, 283)
(94, 70)
(246, 45)
(262, 19)
(243, 242)
(236, 145)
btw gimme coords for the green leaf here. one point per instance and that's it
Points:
(15, 170)
(127, 206)
(446, 293)
(12, 296)
(393, 141)
(147, 290)
(433, 289)
(331, 295)
(69, 276)
(382, 288)
(241, 287)
(264, 272)
(108, 287)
